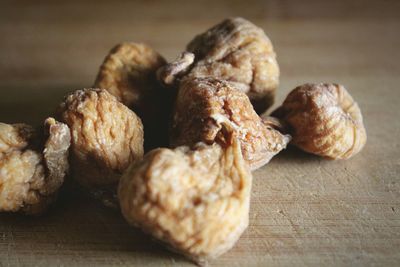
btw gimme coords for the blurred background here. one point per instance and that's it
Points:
(49, 48)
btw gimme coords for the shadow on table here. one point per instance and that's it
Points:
(79, 230)
(294, 154)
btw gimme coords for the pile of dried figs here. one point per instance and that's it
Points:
(173, 144)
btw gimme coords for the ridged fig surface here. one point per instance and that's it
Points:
(324, 120)
(203, 105)
(234, 50)
(196, 200)
(106, 136)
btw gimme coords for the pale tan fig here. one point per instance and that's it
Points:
(33, 165)
(106, 136)
(203, 105)
(234, 50)
(324, 119)
(129, 73)
(196, 200)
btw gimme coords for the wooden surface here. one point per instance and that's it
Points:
(304, 210)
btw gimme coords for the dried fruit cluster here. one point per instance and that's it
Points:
(195, 195)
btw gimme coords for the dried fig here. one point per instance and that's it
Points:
(106, 136)
(236, 51)
(324, 120)
(129, 73)
(204, 104)
(32, 165)
(195, 200)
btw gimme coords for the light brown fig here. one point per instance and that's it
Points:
(33, 165)
(196, 200)
(106, 137)
(203, 105)
(324, 119)
(234, 50)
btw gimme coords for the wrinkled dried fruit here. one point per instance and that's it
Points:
(106, 136)
(324, 120)
(32, 165)
(197, 201)
(203, 105)
(237, 51)
(129, 73)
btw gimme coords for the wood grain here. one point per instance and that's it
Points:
(304, 210)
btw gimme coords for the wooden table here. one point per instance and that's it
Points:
(304, 210)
